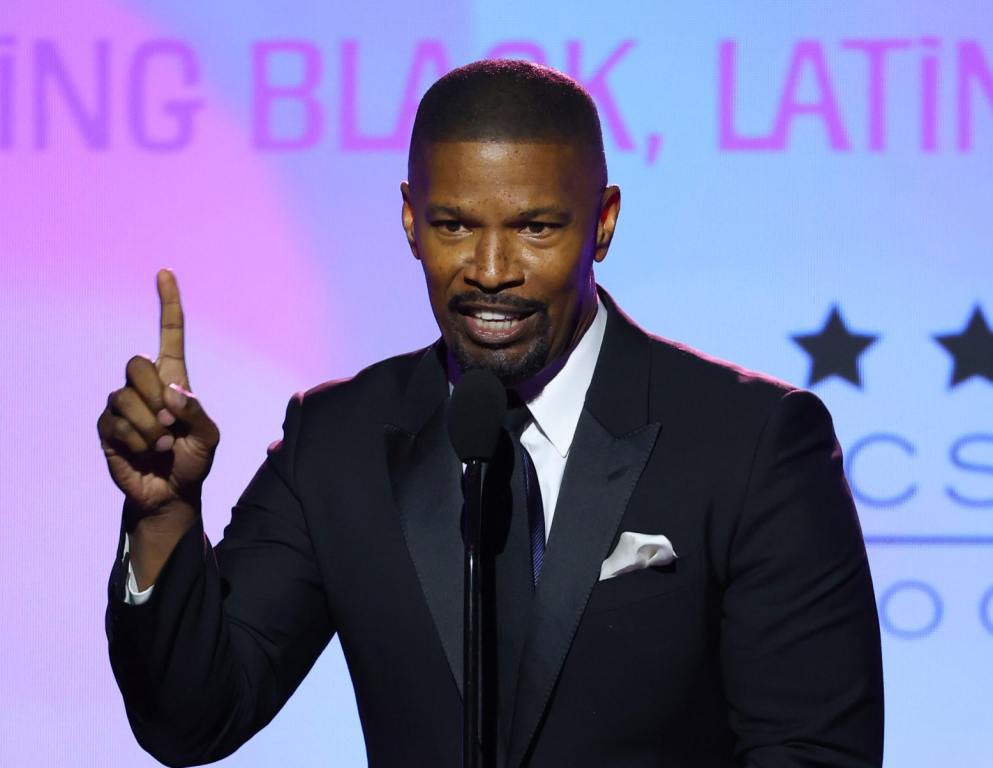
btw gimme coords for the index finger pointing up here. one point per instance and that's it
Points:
(172, 360)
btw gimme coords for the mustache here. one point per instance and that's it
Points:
(457, 302)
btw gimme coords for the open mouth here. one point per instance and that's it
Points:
(495, 326)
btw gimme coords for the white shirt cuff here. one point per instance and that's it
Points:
(132, 596)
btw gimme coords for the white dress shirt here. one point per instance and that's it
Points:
(555, 411)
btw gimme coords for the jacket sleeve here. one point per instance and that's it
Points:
(800, 647)
(229, 631)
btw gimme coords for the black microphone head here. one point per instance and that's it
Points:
(475, 415)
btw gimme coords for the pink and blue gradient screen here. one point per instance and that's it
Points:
(777, 160)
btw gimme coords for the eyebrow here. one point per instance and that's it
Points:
(434, 210)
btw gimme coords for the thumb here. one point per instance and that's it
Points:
(186, 408)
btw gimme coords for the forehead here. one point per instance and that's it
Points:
(478, 171)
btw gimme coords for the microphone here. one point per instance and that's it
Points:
(475, 416)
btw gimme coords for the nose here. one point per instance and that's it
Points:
(494, 264)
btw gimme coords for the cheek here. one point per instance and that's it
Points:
(559, 278)
(439, 278)
(563, 288)
(437, 271)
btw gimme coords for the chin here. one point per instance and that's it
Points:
(511, 368)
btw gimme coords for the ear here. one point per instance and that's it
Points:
(610, 207)
(407, 218)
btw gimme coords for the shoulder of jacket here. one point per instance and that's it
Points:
(379, 382)
(684, 374)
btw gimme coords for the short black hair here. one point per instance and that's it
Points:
(508, 100)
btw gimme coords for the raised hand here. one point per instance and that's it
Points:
(158, 441)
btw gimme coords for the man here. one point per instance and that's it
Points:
(750, 639)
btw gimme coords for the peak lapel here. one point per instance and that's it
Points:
(613, 441)
(426, 473)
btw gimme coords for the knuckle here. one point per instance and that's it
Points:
(135, 364)
(134, 407)
(125, 399)
(128, 435)
(151, 393)
(117, 400)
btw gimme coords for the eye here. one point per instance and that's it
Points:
(449, 226)
(540, 228)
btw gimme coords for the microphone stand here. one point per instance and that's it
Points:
(472, 598)
(475, 413)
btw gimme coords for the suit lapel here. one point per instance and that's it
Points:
(613, 441)
(426, 473)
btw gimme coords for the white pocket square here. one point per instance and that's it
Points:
(635, 551)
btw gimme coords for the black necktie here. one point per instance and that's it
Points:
(517, 420)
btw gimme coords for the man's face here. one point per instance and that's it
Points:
(507, 234)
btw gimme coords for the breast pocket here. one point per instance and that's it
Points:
(641, 585)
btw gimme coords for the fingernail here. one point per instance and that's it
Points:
(164, 443)
(165, 418)
(176, 397)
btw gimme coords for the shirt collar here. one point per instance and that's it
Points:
(557, 407)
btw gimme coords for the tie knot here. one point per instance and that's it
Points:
(518, 416)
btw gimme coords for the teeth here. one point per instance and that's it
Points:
(497, 325)
(483, 315)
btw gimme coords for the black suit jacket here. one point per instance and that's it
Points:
(759, 646)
